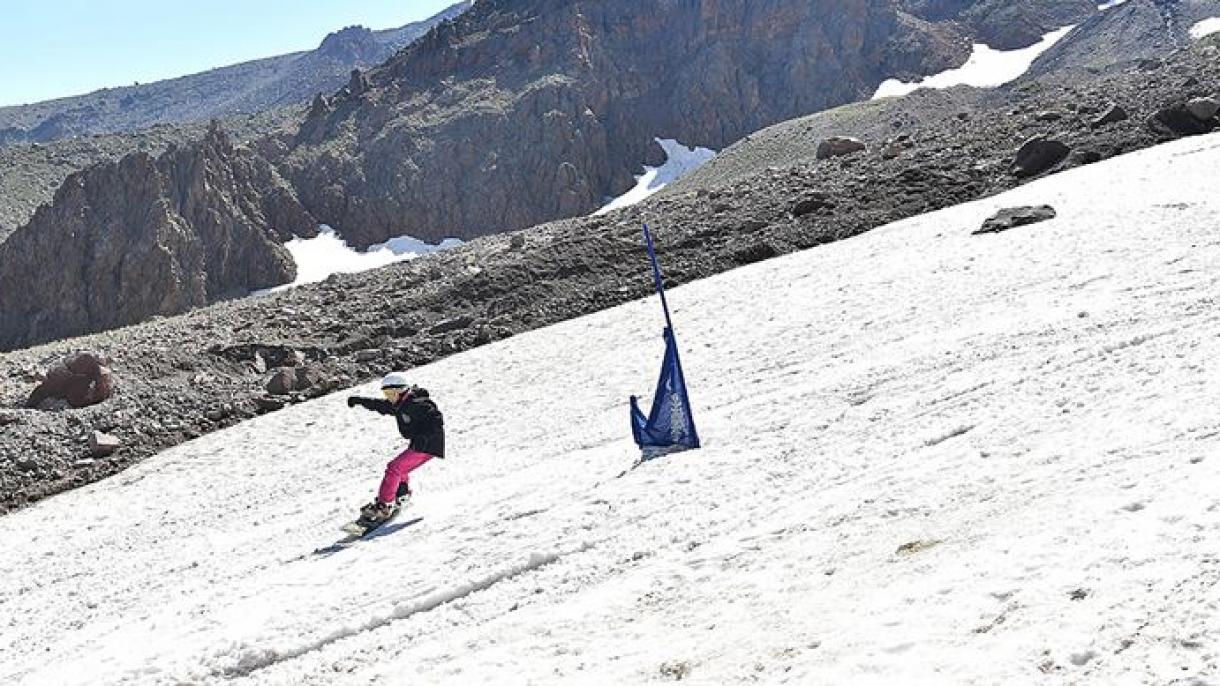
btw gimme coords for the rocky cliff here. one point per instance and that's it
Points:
(519, 112)
(127, 240)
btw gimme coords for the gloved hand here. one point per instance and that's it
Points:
(353, 401)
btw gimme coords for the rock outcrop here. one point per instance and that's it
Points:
(142, 236)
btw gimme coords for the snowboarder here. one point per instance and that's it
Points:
(421, 423)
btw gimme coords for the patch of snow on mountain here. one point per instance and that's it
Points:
(1205, 28)
(986, 68)
(680, 161)
(929, 458)
(1110, 3)
(327, 253)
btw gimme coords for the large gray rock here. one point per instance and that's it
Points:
(1012, 217)
(1037, 155)
(1203, 108)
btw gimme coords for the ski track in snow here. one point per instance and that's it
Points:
(929, 458)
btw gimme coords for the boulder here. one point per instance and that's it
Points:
(838, 146)
(454, 324)
(1203, 108)
(1177, 120)
(1012, 217)
(81, 380)
(812, 202)
(103, 444)
(282, 382)
(1113, 114)
(1037, 155)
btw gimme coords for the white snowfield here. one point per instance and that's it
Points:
(930, 458)
(328, 253)
(1205, 28)
(679, 161)
(985, 68)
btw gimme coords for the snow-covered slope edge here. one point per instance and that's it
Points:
(931, 458)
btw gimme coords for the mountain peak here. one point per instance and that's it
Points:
(352, 43)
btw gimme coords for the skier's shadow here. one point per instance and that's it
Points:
(377, 533)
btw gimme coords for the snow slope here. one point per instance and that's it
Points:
(1205, 28)
(931, 458)
(327, 253)
(679, 161)
(986, 68)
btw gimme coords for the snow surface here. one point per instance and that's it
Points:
(1110, 3)
(680, 161)
(327, 253)
(986, 68)
(1205, 28)
(930, 458)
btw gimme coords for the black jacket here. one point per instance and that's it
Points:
(419, 421)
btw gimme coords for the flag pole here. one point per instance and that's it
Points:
(656, 276)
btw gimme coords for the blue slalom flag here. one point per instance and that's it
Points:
(669, 426)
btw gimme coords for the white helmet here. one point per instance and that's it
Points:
(395, 380)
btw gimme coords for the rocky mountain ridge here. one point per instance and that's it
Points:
(182, 376)
(244, 88)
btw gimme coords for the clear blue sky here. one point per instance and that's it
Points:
(53, 48)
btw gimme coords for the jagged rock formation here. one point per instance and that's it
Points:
(139, 237)
(519, 112)
(238, 89)
(30, 174)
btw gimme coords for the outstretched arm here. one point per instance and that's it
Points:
(376, 405)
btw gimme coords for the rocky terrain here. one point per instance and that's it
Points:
(179, 377)
(246, 88)
(150, 236)
(521, 112)
(1121, 36)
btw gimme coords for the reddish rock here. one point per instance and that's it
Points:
(79, 380)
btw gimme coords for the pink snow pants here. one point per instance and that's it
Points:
(396, 472)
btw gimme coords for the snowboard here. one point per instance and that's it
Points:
(360, 529)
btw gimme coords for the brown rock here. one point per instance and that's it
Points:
(838, 146)
(81, 380)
